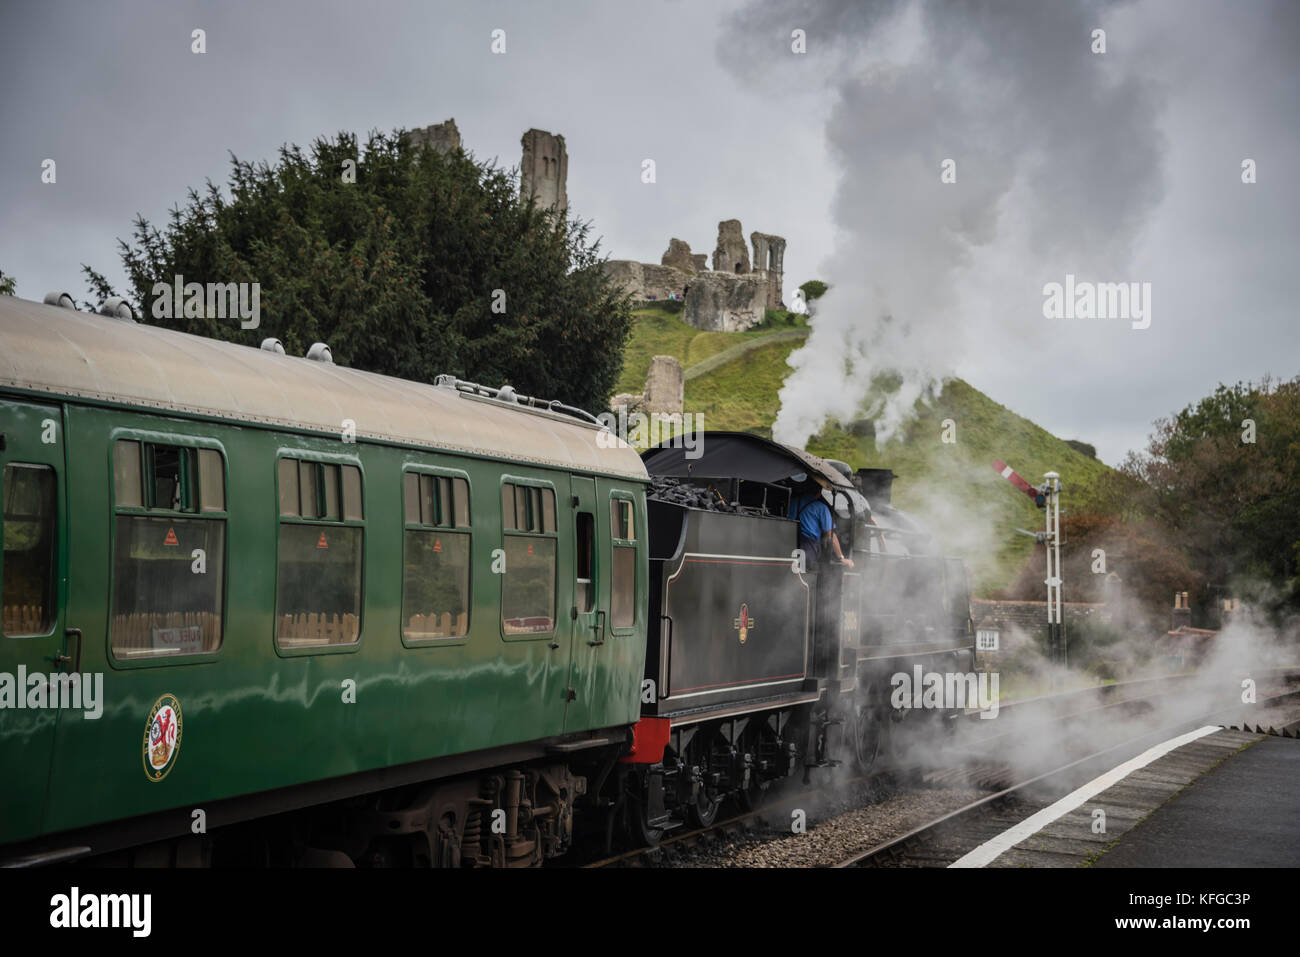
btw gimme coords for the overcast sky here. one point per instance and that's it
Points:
(738, 127)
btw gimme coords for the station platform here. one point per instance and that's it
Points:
(1215, 798)
(1243, 813)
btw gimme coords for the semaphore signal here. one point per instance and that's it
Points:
(1047, 497)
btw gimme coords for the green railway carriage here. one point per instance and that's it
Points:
(300, 584)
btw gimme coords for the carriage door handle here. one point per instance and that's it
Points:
(599, 625)
(61, 659)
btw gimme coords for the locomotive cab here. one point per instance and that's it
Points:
(759, 664)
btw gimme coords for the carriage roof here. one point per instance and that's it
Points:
(102, 360)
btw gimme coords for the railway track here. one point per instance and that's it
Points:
(881, 784)
(773, 819)
(980, 769)
(945, 840)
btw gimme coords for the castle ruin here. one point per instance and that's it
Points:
(731, 297)
(544, 170)
(441, 137)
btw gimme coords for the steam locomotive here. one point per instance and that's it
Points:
(763, 665)
(259, 608)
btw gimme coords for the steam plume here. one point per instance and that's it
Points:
(1057, 162)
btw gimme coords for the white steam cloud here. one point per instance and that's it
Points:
(1057, 161)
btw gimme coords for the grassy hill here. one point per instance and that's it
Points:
(950, 487)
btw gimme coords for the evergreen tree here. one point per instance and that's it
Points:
(406, 261)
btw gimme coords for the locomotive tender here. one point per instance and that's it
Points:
(338, 618)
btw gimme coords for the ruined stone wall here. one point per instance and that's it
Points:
(443, 137)
(544, 170)
(646, 280)
(723, 302)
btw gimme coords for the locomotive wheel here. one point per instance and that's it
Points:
(639, 831)
(751, 797)
(868, 727)
(704, 811)
(648, 836)
(704, 750)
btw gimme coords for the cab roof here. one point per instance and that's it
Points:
(741, 455)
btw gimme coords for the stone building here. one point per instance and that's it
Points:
(729, 298)
(544, 170)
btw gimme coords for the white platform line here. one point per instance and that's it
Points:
(993, 848)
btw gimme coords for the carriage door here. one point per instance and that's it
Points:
(590, 611)
(32, 642)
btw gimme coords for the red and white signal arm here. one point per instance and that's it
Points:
(986, 639)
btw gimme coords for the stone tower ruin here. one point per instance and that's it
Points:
(442, 137)
(730, 254)
(769, 259)
(544, 170)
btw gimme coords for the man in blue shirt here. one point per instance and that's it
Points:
(812, 513)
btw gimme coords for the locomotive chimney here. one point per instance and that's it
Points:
(876, 484)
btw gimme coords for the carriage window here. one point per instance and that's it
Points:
(436, 500)
(170, 477)
(167, 586)
(288, 488)
(212, 481)
(168, 570)
(585, 590)
(318, 593)
(528, 584)
(127, 483)
(319, 562)
(29, 571)
(621, 525)
(308, 490)
(351, 493)
(436, 560)
(528, 509)
(622, 599)
(329, 489)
